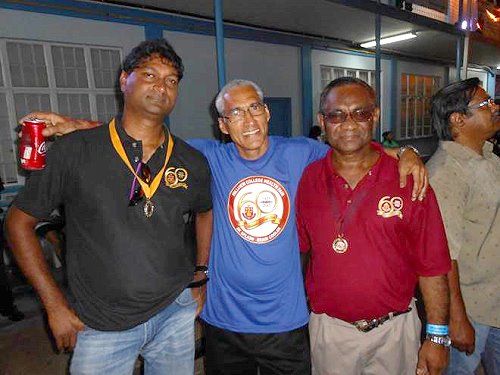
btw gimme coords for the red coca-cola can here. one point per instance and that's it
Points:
(33, 148)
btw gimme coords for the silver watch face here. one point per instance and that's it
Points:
(440, 340)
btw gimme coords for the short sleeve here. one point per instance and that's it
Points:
(428, 242)
(304, 239)
(451, 195)
(44, 189)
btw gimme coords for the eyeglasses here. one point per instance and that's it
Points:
(238, 114)
(490, 102)
(358, 115)
(136, 192)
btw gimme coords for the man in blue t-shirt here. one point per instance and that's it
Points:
(256, 313)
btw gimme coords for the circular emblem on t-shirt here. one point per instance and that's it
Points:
(258, 208)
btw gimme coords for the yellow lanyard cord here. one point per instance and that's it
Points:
(149, 190)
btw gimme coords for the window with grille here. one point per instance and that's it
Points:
(329, 73)
(75, 80)
(416, 93)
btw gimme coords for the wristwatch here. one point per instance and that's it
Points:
(201, 268)
(438, 339)
(407, 147)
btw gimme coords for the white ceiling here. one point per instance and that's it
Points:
(332, 21)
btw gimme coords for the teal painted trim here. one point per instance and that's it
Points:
(153, 31)
(307, 100)
(394, 99)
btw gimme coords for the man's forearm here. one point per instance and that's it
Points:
(29, 256)
(457, 306)
(204, 223)
(436, 297)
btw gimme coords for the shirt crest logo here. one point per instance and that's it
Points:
(258, 209)
(389, 207)
(176, 177)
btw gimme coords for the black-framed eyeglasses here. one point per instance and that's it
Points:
(136, 193)
(358, 115)
(238, 114)
(490, 102)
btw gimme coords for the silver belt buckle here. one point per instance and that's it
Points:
(365, 325)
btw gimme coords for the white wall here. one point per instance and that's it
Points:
(276, 68)
(45, 27)
(191, 117)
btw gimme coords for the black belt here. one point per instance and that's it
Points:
(366, 325)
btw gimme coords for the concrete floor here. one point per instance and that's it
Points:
(26, 347)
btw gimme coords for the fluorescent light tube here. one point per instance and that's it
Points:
(392, 39)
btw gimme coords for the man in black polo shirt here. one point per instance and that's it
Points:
(133, 195)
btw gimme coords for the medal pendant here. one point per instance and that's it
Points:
(340, 245)
(149, 208)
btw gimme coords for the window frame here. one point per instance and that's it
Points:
(51, 89)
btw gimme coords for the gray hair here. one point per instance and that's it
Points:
(219, 99)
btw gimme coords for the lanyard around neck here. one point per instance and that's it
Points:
(149, 190)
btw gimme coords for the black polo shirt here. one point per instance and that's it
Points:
(122, 266)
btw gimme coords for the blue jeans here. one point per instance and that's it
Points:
(165, 341)
(487, 349)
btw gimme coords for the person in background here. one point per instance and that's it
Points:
(138, 217)
(315, 133)
(369, 245)
(389, 140)
(465, 175)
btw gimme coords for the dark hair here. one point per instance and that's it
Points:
(450, 99)
(146, 49)
(386, 133)
(343, 81)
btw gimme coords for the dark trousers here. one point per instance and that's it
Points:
(232, 353)
(6, 299)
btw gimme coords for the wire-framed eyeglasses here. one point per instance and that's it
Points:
(490, 102)
(238, 114)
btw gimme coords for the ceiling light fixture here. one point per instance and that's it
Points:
(392, 39)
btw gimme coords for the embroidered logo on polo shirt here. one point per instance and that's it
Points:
(176, 177)
(258, 209)
(389, 207)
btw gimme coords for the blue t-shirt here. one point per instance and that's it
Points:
(256, 283)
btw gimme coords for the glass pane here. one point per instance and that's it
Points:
(69, 67)
(337, 73)
(5, 127)
(411, 117)
(107, 107)
(404, 84)
(75, 105)
(419, 108)
(106, 67)
(10, 173)
(363, 75)
(419, 86)
(411, 84)
(404, 118)
(26, 103)
(27, 65)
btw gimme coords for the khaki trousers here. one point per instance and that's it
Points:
(338, 348)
